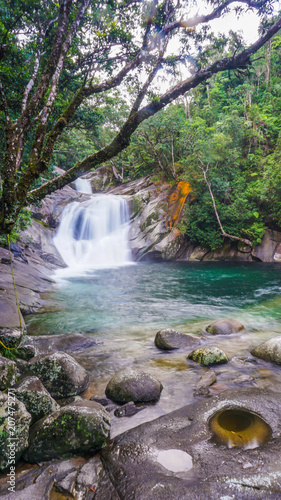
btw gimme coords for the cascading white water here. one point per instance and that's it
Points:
(94, 234)
(83, 186)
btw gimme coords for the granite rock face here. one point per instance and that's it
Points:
(130, 385)
(78, 428)
(214, 472)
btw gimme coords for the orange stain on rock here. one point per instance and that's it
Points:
(177, 198)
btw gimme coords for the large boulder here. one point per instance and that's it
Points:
(135, 465)
(208, 356)
(14, 428)
(225, 327)
(8, 373)
(60, 373)
(78, 428)
(269, 350)
(37, 400)
(130, 385)
(169, 339)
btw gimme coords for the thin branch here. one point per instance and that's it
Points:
(122, 139)
(215, 14)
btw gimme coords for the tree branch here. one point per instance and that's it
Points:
(122, 139)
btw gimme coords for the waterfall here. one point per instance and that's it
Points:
(94, 234)
(83, 186)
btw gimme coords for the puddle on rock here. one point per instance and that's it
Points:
(174, 460)
(242, 428)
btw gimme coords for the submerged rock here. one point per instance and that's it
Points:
(35, 397)
(269, 350)
(225, 327)
(169, 338)
(101, 400)
(8, 373)
(128, 410)
(14, 428)
(207, 379)
(130, 385)
(208, 356)
(78, 428)
(60, 373)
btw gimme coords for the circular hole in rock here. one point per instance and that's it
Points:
(236, 427)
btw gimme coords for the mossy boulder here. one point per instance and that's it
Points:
(10, 337)
(269, 350)
(14, 428)
(78, 428)
(37, 400)
(225, 327)
(130, 385)
(60, 373)
(169, 339)
(208, 356)
(8, 373)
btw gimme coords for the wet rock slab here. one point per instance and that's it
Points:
(216, 471)
(33, 346)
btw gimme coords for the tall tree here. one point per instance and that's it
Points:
(76, 49)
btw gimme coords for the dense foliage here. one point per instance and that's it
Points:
(233, 127)
(79, 77)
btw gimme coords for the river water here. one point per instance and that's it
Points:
(124, 307)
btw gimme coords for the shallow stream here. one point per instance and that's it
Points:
(123, 308)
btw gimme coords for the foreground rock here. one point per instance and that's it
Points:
(174, 457)
(35, 397)
(225, 327)
(169, 339)
(14, 428)
(269, 350)
(130, 385)
(78, 428)
(8, 373)
(60, 373)
(208, 356)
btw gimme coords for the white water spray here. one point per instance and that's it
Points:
(94, 234)
(83, 186)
